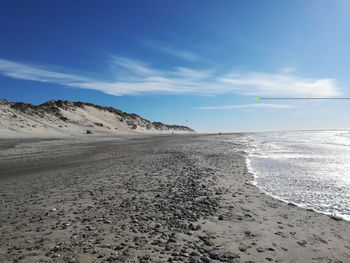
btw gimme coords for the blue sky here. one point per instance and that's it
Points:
(198, 63)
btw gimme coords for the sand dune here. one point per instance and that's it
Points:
(63, 118)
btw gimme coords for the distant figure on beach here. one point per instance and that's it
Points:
(219, 133)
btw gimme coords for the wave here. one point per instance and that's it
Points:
(308, 169)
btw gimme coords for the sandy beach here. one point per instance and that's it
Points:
(164, 198)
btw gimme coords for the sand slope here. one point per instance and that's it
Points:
(64, 118)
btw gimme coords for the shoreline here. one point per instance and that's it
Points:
(255, 175)
(302, 206)
(153, 199)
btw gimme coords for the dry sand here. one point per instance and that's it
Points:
(180, 198)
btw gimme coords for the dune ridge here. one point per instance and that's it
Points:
(64, 118)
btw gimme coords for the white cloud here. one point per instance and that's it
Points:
(280, 85)
(22, 71)
(246, 106)
(192, 74)
(135, 66)
(136, 77)
(183, 54)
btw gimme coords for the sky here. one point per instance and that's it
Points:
(199, 63)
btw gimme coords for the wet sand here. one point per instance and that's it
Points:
(180, 198)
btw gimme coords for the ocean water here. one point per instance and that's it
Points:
(308, 168)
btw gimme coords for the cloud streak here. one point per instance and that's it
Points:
(136, 77)
(183, 54)
(281, 85)
(246, 106)
(21, 71)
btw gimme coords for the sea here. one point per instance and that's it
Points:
(310, 169)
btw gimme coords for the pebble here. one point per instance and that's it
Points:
(214, 255)
(205, 259)
(260, 249)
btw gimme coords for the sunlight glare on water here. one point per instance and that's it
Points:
(308, 168)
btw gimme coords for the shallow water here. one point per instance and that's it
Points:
(308, 168)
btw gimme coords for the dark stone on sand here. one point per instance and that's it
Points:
(260, 249)
(195, 254)
(172, 240)
(242, 248)
(302, 243)
(214, 255)
(336, 218)
(205, 259)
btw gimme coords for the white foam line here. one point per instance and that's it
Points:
(254, 182)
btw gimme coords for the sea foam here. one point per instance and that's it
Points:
(308, 168)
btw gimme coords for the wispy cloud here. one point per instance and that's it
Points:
(27, 72)
(246, 106)
(135, 66)
(181, 53)
(280, 85)
(136, 77)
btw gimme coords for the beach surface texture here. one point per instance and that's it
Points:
(164, 198)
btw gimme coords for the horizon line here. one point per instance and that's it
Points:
(286, 98)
